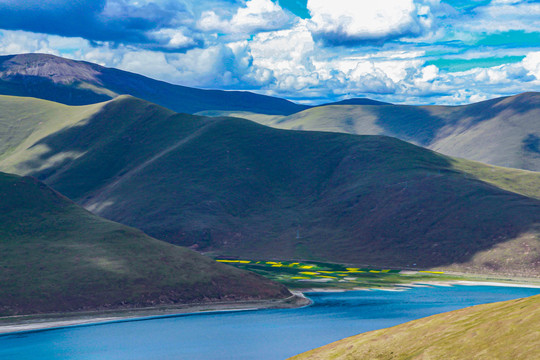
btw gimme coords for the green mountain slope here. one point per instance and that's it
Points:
(504, 330)
(81, 83)
(503, 131)
(233, 187)
(56, 257)
(23, 121)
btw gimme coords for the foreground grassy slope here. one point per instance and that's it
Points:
(56, 256)
(501, 131)
(232, 187)
(504, 330)
(81, 83)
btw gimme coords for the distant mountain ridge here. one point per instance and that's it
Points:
(81, 83)
(503, 131)
(232, 187)
(357, 101)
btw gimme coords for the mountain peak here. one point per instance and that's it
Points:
(58, 70)
(74, 82)
(358, 101)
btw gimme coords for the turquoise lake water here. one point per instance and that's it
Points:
(254, 334)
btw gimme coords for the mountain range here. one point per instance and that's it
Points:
(232, 187)
(503, 131)
(467, 131)
(81, 83)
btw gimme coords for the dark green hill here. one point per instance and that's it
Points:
(504, 330)
(57, 257)
(233, 187)
(502, 132)
(81, 83)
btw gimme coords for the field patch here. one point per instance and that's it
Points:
(300, 275)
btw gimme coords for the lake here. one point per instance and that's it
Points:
(253, 334)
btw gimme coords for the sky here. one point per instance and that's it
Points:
(446, 52)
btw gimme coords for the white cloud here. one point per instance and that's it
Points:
(172, 38)
(341, 21)
(291, 63)
(502, 16)
(257, 15)
(430, 73)
(150, 63)
(285, 50)
(289, 55)
(100, 55)
(221, 66)
(531, 63)
(19, 42)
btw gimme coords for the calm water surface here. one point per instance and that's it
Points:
(257, 334)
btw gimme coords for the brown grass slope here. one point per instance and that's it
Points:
(57, 257)
(502, 131)
(233, 187)
(498, 331)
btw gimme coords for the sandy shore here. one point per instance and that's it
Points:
(417, 284)
(15, 324)
(477, 283)
(402, 287)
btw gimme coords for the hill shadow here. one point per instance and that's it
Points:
(42, 88)
(244, 189)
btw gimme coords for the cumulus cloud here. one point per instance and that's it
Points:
(531, 63)
(289, 54)
(137, 61)
(255, 16)
(257, 45)
(17, 42)
(340, 22)
(174, 38)
(227, 66)
(20, 42)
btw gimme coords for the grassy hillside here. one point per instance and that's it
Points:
(232, 187)
(501, 132)
(24, 121)
(504, 330)
(81, 83)
(56, 256)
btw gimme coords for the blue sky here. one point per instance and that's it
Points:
(311, 51)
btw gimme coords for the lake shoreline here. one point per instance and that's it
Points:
(37, 322)
(25, 323)
(265, 335)
(428, 283)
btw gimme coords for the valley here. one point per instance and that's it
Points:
(228, 186)
(160, 212)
